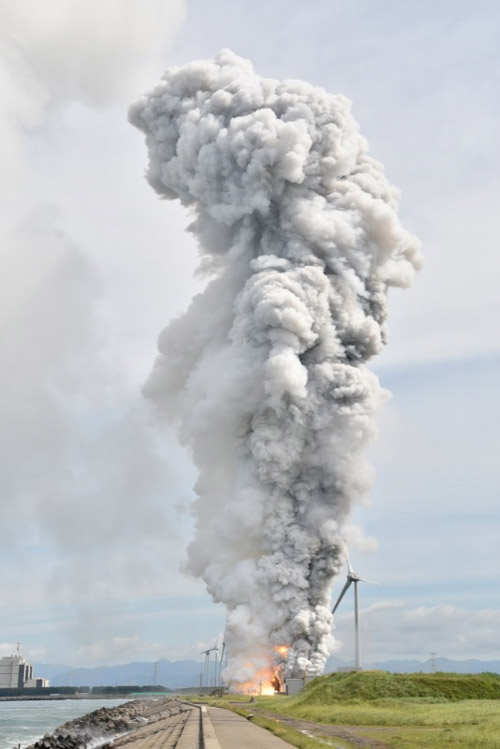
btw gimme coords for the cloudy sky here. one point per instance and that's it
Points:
(94, 494)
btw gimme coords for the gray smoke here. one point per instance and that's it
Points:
(264, 376)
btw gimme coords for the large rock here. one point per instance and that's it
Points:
(107, 723)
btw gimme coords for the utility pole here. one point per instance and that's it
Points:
(433, 661)
(155, 673)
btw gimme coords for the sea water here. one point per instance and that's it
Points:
(25, 721)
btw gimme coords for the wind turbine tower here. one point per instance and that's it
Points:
(353, 578)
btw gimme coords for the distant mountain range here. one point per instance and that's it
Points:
(176, 674)
(139, 673)
(470, 666)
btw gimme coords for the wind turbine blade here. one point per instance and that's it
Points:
(364, 580)
(344, 591)
(350, 570)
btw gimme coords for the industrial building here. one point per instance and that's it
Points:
(16, 673)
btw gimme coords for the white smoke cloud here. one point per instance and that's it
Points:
(86, 51)
(265, 374)
(81, 469)
(60, 52)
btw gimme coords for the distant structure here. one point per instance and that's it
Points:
(16, 673)
(433, 661)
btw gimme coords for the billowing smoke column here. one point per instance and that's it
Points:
(264, 376)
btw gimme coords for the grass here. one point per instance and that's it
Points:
(297, 738)
(391, 712)
(407, 711)
(374, 685)
(477, 736)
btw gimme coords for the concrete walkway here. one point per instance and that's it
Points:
(231, 731)
(179, 730)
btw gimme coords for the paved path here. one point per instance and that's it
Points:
(231, 731)
(176, 725)
(178, 729)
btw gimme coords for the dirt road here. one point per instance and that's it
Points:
(347, 733)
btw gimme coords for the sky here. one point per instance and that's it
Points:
(94, 492)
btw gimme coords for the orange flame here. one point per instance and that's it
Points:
(267, 681)
(282, 649)
(268, 690)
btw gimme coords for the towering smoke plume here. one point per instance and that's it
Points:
(264, 376)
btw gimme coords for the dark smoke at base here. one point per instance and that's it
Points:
(264, 376)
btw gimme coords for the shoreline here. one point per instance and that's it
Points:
(60, 697)
(104, 726)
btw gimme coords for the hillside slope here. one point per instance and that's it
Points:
(372, 685)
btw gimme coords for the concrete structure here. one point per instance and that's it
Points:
(293, 686)
(37, 683)
(16, 673)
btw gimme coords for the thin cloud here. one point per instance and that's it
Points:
(395, 630)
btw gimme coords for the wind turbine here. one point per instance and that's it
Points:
(206, 653)
(353, 577)
(206, 669)
(216, 655)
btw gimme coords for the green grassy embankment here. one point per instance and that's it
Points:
(408, 711)
(375, 685)
(404, 711)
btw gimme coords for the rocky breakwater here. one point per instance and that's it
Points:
(102, 726)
